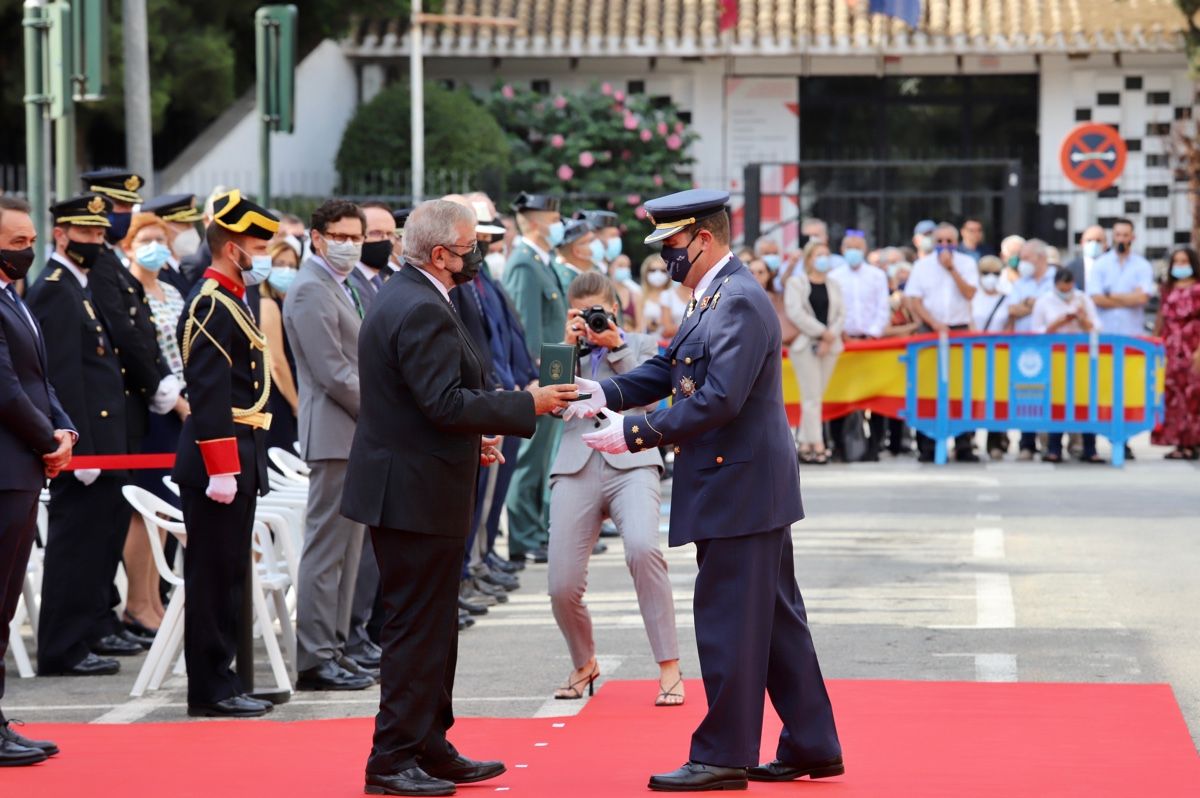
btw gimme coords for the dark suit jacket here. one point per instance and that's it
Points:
(415, 458)
(735, 460)
(474, 317)
(29, 408)
(193, 265)
(1076, 268)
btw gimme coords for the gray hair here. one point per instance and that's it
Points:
(948, 228)
(1034, 248)
(434, 223)
(811, 222)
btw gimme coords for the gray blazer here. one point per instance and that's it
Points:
(322, 326)
(573, 453)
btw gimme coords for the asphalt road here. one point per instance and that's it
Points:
(991, 572)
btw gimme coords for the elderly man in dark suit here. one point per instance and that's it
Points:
(412, 480)
(736, 496)
(36, 438)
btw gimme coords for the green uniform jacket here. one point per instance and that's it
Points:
(539, 296)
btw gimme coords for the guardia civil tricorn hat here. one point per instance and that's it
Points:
(597, 219)
(119, 185)
(239, 215)
(534, 202)
(675, 212)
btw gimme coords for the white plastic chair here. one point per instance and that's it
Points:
(289, 464)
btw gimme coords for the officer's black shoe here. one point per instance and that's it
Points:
(368, 655)
(497, 577)
(496, 562)
(116, 646)
(782, 771)
(609, 530)
(599, 548)
(461, 770)
(966, 456)
(141, 641)
(540, 555)
(9, 735)
(353, 666)
(495, 591)
(91, 665)
(517, 561)
(465, 621)
(238, 706)
(16, 755)
(329, 675)
(471, 607)
(413, 781)
(698, 777)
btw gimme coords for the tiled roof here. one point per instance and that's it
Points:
(549, 28)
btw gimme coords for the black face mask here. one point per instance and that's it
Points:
(15, 263)
(84, 255)
(118, 226)
(1122, 247)
(376, 253)
(472, 263)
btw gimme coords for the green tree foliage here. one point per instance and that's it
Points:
(460, 137)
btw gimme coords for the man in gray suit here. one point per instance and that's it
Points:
(587, 485)
(323, 315)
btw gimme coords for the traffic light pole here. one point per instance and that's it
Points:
(37, 138)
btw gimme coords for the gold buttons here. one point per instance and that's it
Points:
(554, 295)
(253, 364)
(638, 441)
(122, 370)
(103, 414)
(127, 393)
(256, 385)
(687, 361)
(634, 429)
(677, 450)
(720, 459)
(674, 361)
(674, 391)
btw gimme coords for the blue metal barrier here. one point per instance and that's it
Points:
(1020, 394)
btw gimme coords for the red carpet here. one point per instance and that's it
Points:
(900, 739)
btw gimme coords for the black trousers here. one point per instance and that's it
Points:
(419, 581)
(84, 543)
(214, 581)
(753, 638)
(18, 528)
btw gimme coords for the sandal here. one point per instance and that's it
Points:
(1178, 453)
(665, 696)
(1095, 458)
(821, 457)
(807, 456)
(1051, 458)
(574, 690)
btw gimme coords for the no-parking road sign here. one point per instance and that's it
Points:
(1093, 156)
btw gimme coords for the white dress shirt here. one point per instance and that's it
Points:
(72, 268)
(436, 284)
(1050, 307)
(1112, 276)
(936, 289)
(865, 294)
(709, 276)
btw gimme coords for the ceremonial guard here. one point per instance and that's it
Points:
(221, 466)
(541, 301)
(88, 515)
(736, 494)
(180, 213)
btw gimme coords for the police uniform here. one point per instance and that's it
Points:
(573, 230)
(121, 301)
(540, 299)
(736, 494)
(227, 369)
(174, 209)
(88, 523)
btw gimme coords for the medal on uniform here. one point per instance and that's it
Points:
(704, 303)
(691, 308)
(687, 386)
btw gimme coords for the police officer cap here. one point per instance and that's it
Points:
(173, 208)
(674, 212)
(598, 219)
(534, 202)
(89, 210)
(116, 184)
(239, 215)
(401, 216)
(573, 230)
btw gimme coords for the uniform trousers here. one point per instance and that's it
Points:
(419, 581)
(529, 493)
(812, 373)
(328, 568)
(578, 504)
(214, 578)
(84, 541)
(18, 528)
(752, 636)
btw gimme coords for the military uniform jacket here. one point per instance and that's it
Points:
(121, 300)
(538, 295)
(228, 373)
(80, 360)
(735, 467)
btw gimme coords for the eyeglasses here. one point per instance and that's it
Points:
(451, 247)
(945, 241)
(343, 238)
(378, 235)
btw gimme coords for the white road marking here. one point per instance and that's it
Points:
(988, 497)
(138, 708)
(556, 708)
(994, 602)
(995, 667)
(989, 543)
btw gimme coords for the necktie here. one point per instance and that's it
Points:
(354, 297)
(16, 298)
(377, 281)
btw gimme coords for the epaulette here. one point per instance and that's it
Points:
(54, 276)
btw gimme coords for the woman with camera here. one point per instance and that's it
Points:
(586, 486)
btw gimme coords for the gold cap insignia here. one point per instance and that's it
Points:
(133, 183)
(96, 205)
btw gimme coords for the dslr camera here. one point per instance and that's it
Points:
(597, 319)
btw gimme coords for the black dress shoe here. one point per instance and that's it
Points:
(116, 646)
(698, 777)
(14, 755)
(496, 577)
(461, 770)
(600, 547)
(609, 530)
(495, 591)
(413, 781)
(540, 555)
(352, 665)
(966, 457)
(495, 562)
(465, 621)
(329, 675)
(238, 706)
(782, 771)
(141, 641)
(518, 560)
(368, 655)
(134, 627)
(9, 735)
(471, 607)
(91, 665)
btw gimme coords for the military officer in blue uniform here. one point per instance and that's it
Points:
(541, 301)
(736, 494)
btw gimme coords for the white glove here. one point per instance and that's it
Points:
(167, 395)
(586, 408)
(222, 488)
(87, 475)
(610, 439)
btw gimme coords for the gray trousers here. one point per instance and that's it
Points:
(333, 546)
(365, 588)
(578, 503)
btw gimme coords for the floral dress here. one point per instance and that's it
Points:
(1181, 337)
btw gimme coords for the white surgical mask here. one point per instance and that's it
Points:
(1092, 249)
(186, 243)
(926, 244)
(495, 262)
(342, 257)
(657, 278)
(260, 270)
(1025, 268)
(989, 281)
